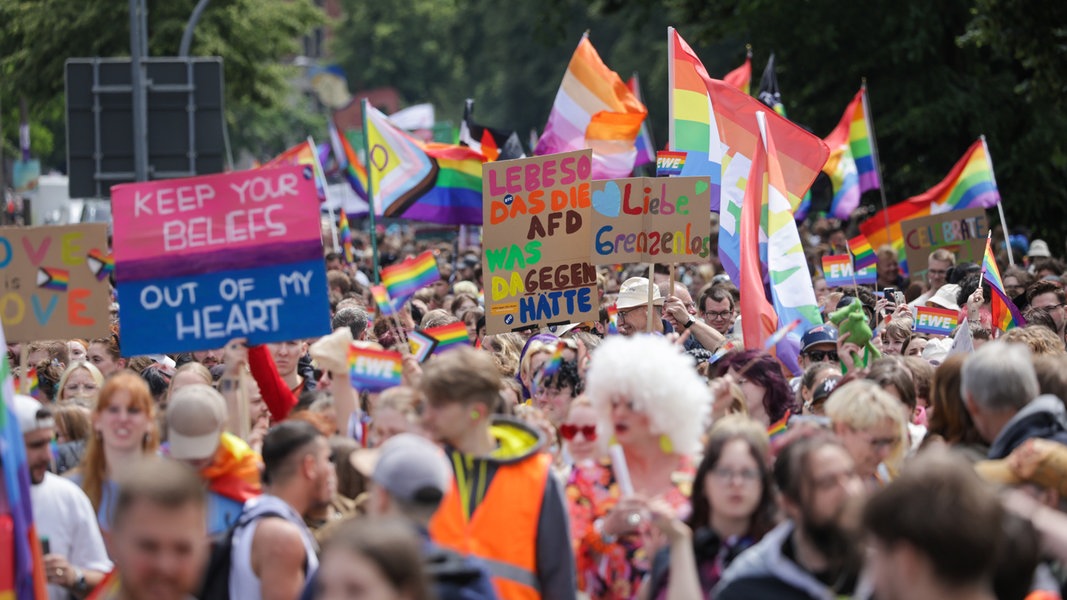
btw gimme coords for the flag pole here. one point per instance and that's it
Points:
(364, 105)
(670, 88)
(320, 174)
(1000, 205)
(877, 160)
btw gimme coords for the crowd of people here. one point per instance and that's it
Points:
(613, 459)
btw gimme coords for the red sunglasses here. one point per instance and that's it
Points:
(570, 431)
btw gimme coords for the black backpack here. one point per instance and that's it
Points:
(216, 583)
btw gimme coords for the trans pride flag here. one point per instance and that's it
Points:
(594, 109)
(715, 124)
(969, 184)
(851, 165)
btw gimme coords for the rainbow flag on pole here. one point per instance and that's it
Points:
(851, 166)
(594, 109)
(449, 336)
(1004, 312)
(741, 77)
(715, 123)
(456, 196)
(381, 298)
(346, 238)
(354, 171)
(21, 548)
(862, 252)
(404, 279)
(305, 154)
(969, 184)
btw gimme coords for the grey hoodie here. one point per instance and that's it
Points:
(1044, 417)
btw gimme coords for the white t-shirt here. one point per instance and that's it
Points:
(63, 514)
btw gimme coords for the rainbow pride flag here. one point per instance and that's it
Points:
(935, 321)
(354, 171)
(613, 320)
(715, 124)
(346, 238)
(594, 109)
(24, 563)
(381, 298)
(404, 279)
(100, 263)
(862, 252)
(374, 370)
(305, 154)
(53, 279)
(969, 184)
(741, 77)
(449, 336)
(646, 148)
(554, 361)
(779, 427)
(851, 165)
(1004, 312)
(456, 196)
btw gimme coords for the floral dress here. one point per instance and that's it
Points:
(614, 570)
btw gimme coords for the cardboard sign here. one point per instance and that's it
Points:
(961, 231)
(935, 321)
(55, 282)
(536, 238)
(203, 260)
(644, 219)
(669, 164)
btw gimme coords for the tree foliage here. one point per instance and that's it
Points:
(251, 36)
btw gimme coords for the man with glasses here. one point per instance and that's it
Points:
(870, 423)
(941, 260)
(632, 305)
(1049, 295)
(717, 309)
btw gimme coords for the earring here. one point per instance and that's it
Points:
(475, 415)
(665, 444)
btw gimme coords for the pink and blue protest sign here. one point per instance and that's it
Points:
(202, 260)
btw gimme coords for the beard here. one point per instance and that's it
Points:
(838, 543)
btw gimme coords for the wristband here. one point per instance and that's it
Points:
(689, 323)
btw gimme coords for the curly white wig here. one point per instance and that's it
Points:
(659, 380)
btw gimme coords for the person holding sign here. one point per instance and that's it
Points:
(632, 305)
(652, 402)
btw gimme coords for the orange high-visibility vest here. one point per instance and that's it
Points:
(502, 533)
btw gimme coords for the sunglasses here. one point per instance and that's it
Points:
(818, 355)
(569, 431)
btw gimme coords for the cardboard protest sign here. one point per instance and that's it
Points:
(536, 241)
(935, 321)
(960, 231)
(643, 219)
(839, 272)
(55, 282)
(203, 260)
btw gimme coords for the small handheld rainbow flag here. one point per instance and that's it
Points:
(404, 279)
(422, 345)
(1004, 312)
(935, 321)
(669, 163)
(101, 264)
(837, 269)
(345, 234)
(381, 298)
(861, 249)
(374, 370)
(449, 336)
(33, 387)
(56, 280)
(779, 427)
(780, 335)
(723, 351)
(613, 320)
(555, 361)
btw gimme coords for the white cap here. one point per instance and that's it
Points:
(634, 292)
(31, 414)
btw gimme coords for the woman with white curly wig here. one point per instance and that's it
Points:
(649, 400)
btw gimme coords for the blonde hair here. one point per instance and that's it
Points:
(93, 467)
(95, 373)
(658, 379)
(863, 404)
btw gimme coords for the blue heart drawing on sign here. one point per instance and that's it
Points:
(608, 201)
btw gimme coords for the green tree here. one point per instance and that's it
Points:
(931, 95)
(249, 35)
